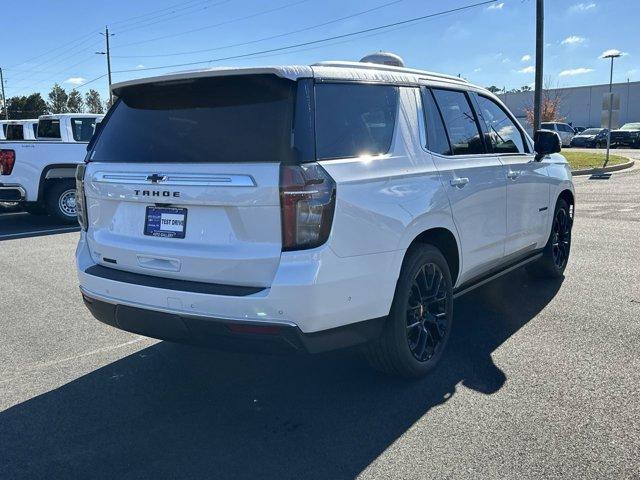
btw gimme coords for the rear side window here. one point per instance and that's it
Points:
(245, 118)
(14, 132)
(83, 128)
(4, 128)
(547, 126)
(460, 122)
(354, 119)
(503, 133)
(49, 129)
(437, 141)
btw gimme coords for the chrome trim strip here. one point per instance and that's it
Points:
(115, 301)
(176, 179)
(22, 191)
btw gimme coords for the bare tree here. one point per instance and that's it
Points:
(552, 98)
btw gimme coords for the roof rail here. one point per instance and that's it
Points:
(378, 66)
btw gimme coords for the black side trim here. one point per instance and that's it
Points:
(170, 283)
(214, 332)
(542, 209)
(495, 273)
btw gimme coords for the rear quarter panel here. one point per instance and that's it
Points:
(33, 157)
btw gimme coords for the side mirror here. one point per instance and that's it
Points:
(546, 142)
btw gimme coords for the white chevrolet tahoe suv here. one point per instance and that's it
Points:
(312, 207)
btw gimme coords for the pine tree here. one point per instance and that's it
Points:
(93, 102)
(58, 99)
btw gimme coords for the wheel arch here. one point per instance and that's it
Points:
(568, 196)
(53, 173)
(445, 241)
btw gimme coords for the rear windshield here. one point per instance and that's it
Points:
(246, 118)
(83, 128)
(14, 132)
(49, 129)
(591, 131)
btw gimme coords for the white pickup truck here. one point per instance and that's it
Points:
(16, 130)
(39, 175)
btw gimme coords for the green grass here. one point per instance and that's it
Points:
(581, 160)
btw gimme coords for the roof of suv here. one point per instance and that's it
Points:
(357, 71)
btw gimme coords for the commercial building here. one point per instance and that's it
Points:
(584, 106)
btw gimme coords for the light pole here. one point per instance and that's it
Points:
(610, 54)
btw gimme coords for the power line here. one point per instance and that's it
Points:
(219, 24)
(153, 12)
(172, 15)
(271, 37)
(321, 40)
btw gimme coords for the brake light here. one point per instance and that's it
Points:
(81, 202)
(7, 161)
(307, 203)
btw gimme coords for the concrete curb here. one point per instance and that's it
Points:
(612, 168)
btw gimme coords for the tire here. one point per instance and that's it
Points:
(60, 201)
(416, 332)
(555, 254)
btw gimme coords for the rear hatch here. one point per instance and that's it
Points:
(183, 179)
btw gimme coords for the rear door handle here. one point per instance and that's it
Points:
(513, 174)
(459, 182)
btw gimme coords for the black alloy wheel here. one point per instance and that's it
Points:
(427, 320)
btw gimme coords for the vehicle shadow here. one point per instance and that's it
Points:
(16, 224)
(172, 411)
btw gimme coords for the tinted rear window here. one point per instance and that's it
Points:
(49, 129)
(460, 122)
(83, 128)
(245, 118)
(14, 132)
(354, 120)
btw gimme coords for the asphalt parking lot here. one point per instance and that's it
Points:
(541, 380)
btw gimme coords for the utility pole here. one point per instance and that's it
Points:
(4, 98)
(537, 94)
(108, 54)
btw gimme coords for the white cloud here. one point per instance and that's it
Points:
(496, 6)
(525, 58)
(573, 40)
(75, 80)
(582, 7)
(613, 51)
(529, 69)
(476, 70)
(575, 71)
(140, 66)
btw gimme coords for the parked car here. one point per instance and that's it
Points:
(627, 136)
(306, 208)
(591, 138)
(39, 175)
(578, 130)
(565, 131)
(21, 130)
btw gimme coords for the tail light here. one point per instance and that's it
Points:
(81, 202)
(307, 203)
(7, 161)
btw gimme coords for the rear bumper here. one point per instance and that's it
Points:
(12, 193)
(262, 337)
(313, 291)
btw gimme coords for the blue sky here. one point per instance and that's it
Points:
(489, 45)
